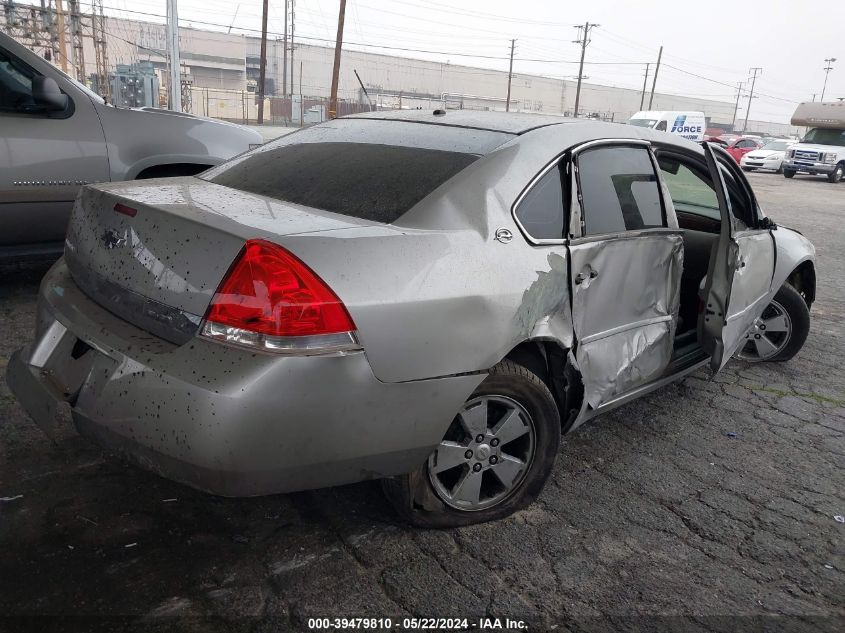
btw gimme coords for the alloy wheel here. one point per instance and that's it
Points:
(769, 334)
(485, 455)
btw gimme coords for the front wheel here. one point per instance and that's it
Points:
(788, 173)
(836, 176)
(779, 333)
(494, 459)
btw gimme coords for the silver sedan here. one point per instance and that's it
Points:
(427, 298)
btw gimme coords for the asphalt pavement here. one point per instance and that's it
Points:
(711, 503)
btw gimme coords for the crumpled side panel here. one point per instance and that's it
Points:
(625, 316)
(622, 361)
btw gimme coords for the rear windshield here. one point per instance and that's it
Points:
(368, 169)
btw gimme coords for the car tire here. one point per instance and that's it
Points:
(787, 306)
(779, 170)
(836, 175)
(424, 497)
(788, 173)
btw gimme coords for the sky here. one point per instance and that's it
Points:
(708, 46)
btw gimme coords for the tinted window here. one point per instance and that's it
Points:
(366, 168)
(619, 190)
(541, 210)
(373, 182)
(15, 84)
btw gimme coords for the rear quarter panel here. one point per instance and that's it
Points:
(432, 302)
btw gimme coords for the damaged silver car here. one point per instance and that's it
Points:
(427, 298)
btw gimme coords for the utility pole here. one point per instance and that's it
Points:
(645, 81)
(98, 29)
(175, 101)
(285, 54)
(583, 40)
(654, 81)
(739, 86)
(336, 69)
(510, 77)
(292, 29)
(60, 13)
(262, 64)
(754, 72)
(76, 45)
(827, 70)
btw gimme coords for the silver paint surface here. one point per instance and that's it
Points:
(436, 299)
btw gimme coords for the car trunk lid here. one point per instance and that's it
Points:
(155, 252)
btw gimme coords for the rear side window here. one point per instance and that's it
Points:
(540, 212)
(619, 190)
(369, 181)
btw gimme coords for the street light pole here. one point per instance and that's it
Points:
(827, 70)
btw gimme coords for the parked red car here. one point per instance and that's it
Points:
(741, 146)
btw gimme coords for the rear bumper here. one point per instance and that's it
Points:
(818, 168)
(218, 418)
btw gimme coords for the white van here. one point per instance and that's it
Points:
(690, 125)
(822, 150)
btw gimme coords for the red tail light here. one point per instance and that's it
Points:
(269, 296)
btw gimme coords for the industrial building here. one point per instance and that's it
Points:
(220, 71)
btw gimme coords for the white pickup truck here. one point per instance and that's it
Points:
(822, 150)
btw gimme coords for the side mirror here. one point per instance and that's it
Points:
(46, 94)
(766, 223)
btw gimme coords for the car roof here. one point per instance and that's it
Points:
(506, 122)
(527, 129)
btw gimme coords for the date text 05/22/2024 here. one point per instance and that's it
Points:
(415, 624)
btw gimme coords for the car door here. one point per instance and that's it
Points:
(739, 277)
(626, 259)
(741, 148)
(44, 156)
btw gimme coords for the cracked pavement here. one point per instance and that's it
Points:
(703, 500)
